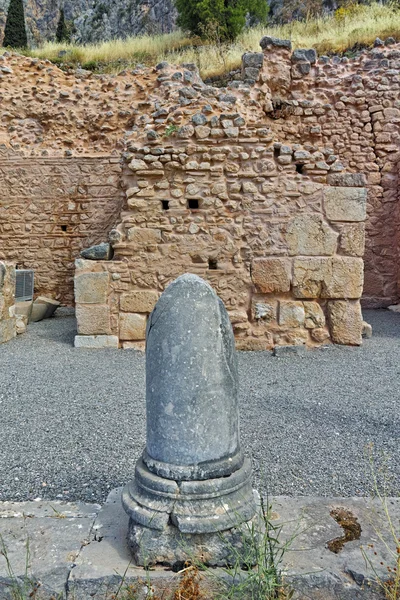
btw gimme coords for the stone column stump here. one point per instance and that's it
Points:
(191, 493)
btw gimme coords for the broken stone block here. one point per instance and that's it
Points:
(139, 301)
(310, 235)
(38, 312)
(366, 330)
(320, 335)
(345, 203)
(345, 322)
(51, 305)
(314, 315)
(271, 274)
(24, 308)
(132, 326)
(102, 251)
(309, 275)
(93, 319)
(291, 314)
(96, 341)
(265, 311)
(21, 323)
(91, 288)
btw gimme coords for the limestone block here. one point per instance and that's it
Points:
(251, 344)
(320, 335)
(96, 341)
(346, 278)
(345, 203)
(314, 315)
(91, 288)
(21, 323)
(336, 277)
(139, 301)
(144, 236)
(24, 308)
(271, 274)
(291, 314)
(93, 319)
(310, 235)
(309, 275)
(38, 312)
(347, 179)
(345, 322)
(265, 311)
(7, 330)
(352, 239)
(132, 326)
(51, 305)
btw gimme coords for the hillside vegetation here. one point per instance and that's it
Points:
(347, 29)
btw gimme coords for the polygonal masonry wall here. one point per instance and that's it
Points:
(292, 122)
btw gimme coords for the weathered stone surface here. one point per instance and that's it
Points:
(264, 310)
(140, 301)
(96, 341)
(314, 315)
(352, 239)
(345, 322)
(102, 251)
(192, 479)
(145, 236)
(310, 235)
(132, 326)
(24, 308)
(291, 314)
(347, 179)
(51, 305)
(271, 274)
(91, 288)
(320, 335)
(336, 277)
(38, 312)
(93, 319)
(7, 330)
(21, 323)
(345, 203)
(366, 330)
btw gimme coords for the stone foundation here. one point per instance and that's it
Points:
(7, 302)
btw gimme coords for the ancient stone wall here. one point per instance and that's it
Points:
(52, 208)
(258, 187)
(7, 302)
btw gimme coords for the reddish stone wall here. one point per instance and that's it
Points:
(52, 208)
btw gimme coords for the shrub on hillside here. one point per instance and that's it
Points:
(15, 31)
(227, 17)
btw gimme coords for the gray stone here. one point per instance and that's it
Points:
(347, 179)
(102, 251)
(51, 305)
(96, 341)
(253, 59)
(268, 41)
(298, 56)
(38, 312)
(192, 477)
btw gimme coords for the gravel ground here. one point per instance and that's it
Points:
(72, 421)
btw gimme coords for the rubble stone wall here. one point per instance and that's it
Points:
(52, 208)
(7, 301)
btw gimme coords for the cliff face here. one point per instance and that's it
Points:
(94, 20)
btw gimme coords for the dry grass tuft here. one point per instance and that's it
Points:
(357, 25)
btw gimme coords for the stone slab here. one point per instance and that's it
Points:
(96, 341)
(81, 550)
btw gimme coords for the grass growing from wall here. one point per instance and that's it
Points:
(355, 26)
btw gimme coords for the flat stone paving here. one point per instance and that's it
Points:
(72, 420)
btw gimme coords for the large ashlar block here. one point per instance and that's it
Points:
(345, 322)
(345, 203)
(291, 314)
(271, 274)
(91, 288)
(132, 326)
(144, 236)
(93, 319)
(336, 277)
(310, 235)
(140, 301)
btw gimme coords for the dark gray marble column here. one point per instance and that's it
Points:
(192, 481)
